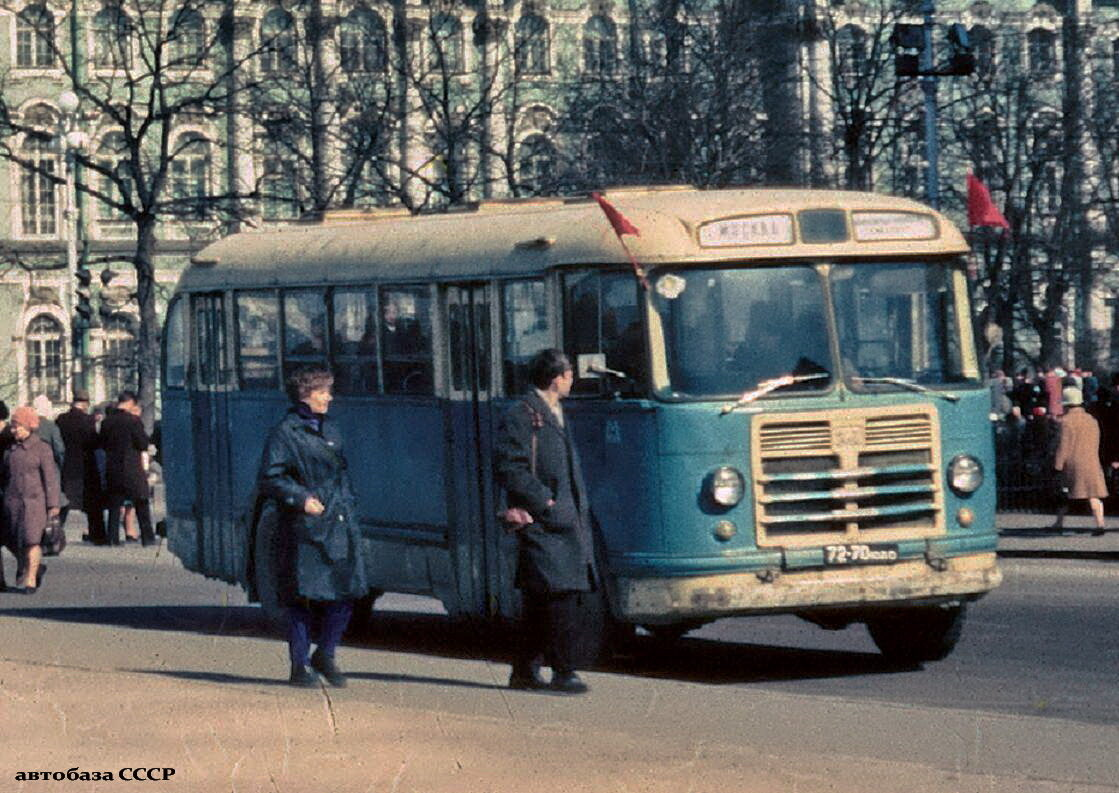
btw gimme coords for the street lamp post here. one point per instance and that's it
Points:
(73, 141)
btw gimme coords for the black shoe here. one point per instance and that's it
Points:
(302, 677)
(29, 590)
(527, 679)
(325, 666)
(568, 683)
(16, 590)
(146, 543)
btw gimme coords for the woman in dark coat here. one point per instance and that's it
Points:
(304, 476)
(31, 495)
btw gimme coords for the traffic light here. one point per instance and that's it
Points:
(83, 308)
(908, 41)
(961, 59)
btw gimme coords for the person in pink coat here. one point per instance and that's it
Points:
(1078, 457)
(32, 496)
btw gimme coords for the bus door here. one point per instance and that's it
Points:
(470, 430)
(218, 553)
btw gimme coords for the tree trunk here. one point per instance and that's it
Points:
(148, 349)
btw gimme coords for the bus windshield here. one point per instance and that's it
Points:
(726, 330)
(901, 321)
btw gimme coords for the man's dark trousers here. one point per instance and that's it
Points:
(549, 630)
(143, 509)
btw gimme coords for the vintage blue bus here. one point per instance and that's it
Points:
(787, 416)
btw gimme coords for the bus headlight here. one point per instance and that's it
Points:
(965, 473)
(727, 486)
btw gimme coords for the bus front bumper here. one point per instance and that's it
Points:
(655, 601)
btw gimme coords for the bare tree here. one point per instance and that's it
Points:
(1006, 125)
(157, 69)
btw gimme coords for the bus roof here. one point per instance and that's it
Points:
(526, 236)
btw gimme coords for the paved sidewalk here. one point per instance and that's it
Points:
(1030, 535)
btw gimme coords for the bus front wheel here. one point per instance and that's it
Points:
(266, 566)
(916, 635)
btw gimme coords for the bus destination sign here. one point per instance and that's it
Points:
(748, 230)
(878, 226)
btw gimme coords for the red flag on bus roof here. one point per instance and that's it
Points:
(622, 226)
(619, 221)
(981, 209)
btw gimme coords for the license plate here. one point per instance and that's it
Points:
(860, 553)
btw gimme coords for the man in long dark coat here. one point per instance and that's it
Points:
(81, 481)
(304, 476)
(537, 464)
(124, 440)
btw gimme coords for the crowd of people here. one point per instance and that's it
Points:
(92, 460)
(1057, 439)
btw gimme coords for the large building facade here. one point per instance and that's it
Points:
(301, 106)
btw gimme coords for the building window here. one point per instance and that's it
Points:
(1042, 45)
(38, 198)
(277, 42)
(112, 39)
(362, 42)
(983, 45)
(188, 39)
(600, 46)
(536, 164)
(446, 44)
(44, 357)
(532, 45)
(34, 38)
(190, 177)
(120, 354)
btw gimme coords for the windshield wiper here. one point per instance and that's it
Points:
(902, 382)
(766, 386)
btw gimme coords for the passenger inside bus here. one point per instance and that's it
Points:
(405, 350)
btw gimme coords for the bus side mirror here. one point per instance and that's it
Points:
(594, 365)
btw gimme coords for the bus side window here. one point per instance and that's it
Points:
(212, 365)
(354, 343)
(406, 358)
(601, 316)
(258, 324)
(177, 350)
(525, 330)
(304, 329)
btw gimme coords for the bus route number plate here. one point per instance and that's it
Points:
(860, 553)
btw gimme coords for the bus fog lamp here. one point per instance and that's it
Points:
(965, 517)
(727, 486)
(724, 530)
(965, 473)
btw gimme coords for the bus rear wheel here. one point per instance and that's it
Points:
(266, 567)
(914, 635)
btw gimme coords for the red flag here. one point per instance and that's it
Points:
(622, 226)
(981, 210)
(619, 221)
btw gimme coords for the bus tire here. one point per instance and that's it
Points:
(913, 636)
(266, 567)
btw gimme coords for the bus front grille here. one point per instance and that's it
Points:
(847, 476)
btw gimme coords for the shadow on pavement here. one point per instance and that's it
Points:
(1089, 556)
(689, 659)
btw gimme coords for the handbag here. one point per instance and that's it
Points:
(54, 538)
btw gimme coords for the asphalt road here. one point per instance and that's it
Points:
(1028, 701)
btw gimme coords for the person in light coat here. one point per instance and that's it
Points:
(1078, 457)
(32, 496)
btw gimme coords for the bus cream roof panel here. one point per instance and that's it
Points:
(510, 239)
